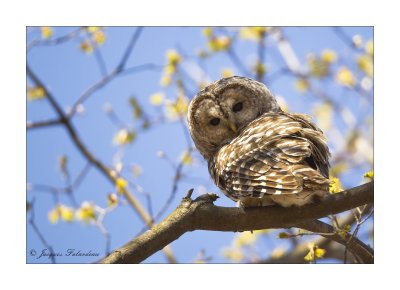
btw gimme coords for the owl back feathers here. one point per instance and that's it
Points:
(278, 158)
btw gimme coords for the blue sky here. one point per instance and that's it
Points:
(67, 72)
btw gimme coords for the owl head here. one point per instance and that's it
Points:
(218, 113)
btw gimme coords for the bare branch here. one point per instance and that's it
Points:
(105, 170)
(54, 41)
(41, 124)
(129, 49)
(201, 214)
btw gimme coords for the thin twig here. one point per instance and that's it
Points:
(54, 41)
(41, 124)
(106, 171)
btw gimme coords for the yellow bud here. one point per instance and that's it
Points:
(166, 80)
(369, 47)
(93, 29)
(369, 175)
(208, 32)
(235, 255)
(335, 186)
(67, 213)
(227, 73)
(328, 56)
(54, 215)
(35, 93)
(120, 185)
(99, 37)
(47, 32)
(365, 64)
(302, 85)
(186, 158)
(173, 57)
(157, 99)
(86, 212)
(220, 43)
(345, 77)
(86, 47)
(124, 137)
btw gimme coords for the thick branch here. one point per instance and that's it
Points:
(201, 214)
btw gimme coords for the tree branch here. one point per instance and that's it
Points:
(333, 250)
(201, 214)
(105, 170)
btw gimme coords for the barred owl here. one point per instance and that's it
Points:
(257, 154)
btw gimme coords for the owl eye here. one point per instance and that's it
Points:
(238, 107)
(214, 121)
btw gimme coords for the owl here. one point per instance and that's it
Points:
(257, 154)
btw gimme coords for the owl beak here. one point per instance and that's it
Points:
(233, 127)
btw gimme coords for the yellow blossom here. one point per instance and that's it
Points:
(61, 211)
(253, 33)
(208, 32)
(35, 93)
(369, 47)
(47, 32)
(173, 57)
(177, 108)
(318, 67)
(369, 175)
(99, 37)
(345, 77)
(235, 255)
(186, 158)
(328, 56)
(86, 47)
(157, 99)
(93, 29)
(245, 239)
(302, 85)
(345, 230)
(169, 69)
(335, 186)
(112, 200)
(166, 80)
(278, 253)
(227, 72)
(66, 213)
(365, 64)
(219, 43)
(260, 69)
(54, 215)
(314, 253)
(121, 184)
(124, 137)
(86, 212)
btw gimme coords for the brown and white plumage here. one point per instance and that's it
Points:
(258, 155)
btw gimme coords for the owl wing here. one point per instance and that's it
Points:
(277, 153)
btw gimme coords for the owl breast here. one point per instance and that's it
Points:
(278, 158)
